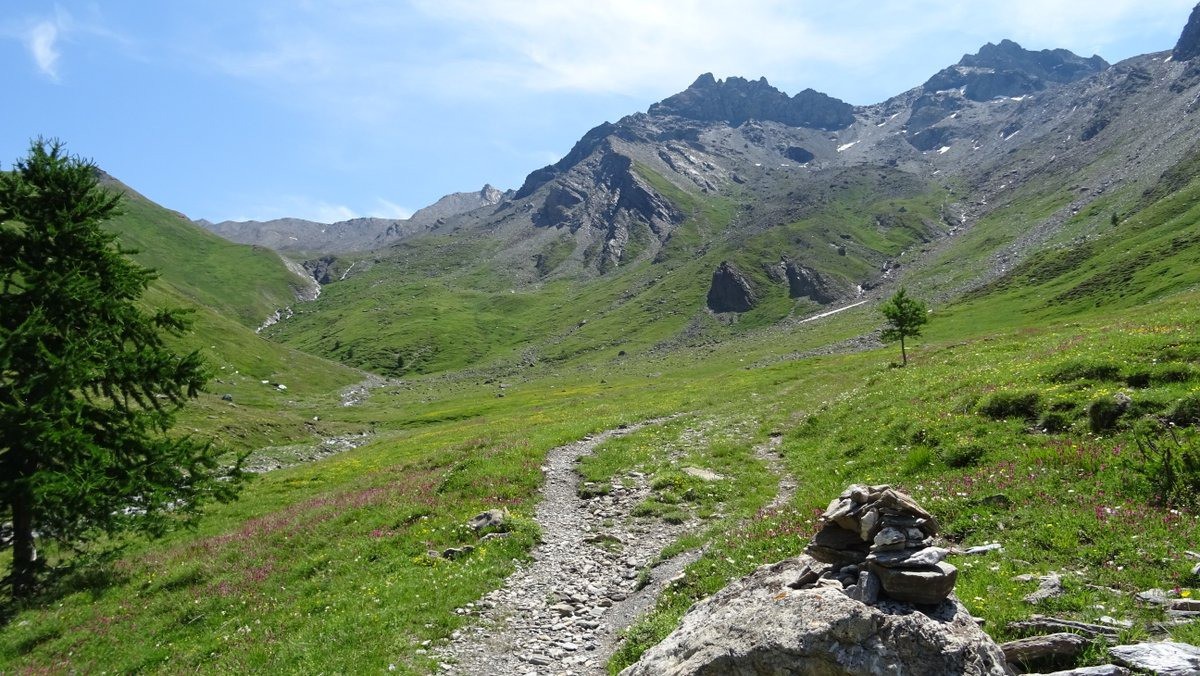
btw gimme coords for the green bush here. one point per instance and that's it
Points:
(917, 460)
(1007, 404)
(963, 456)
(1054, 422)
(1103, 414)
(1139, 378)
(1170, 461)
(1160, 374)
(1084, 369)
(1186, 411)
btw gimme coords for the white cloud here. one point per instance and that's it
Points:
(44, 36)
(42, 40)
(368, 57)
(323, 212)
(636, 47)
(387, 209)
(297, 206)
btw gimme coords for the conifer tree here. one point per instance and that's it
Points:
(905, 317)
(88, 387)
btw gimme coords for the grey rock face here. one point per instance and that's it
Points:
(737, 100)
(1003, 70)
(324, 269)
(1038, 649)
(927, 585)
(1102, 670)
(730, 291)
(603, 196)
(1167, 658)
(1007, 69)
(1188, 45)
(762, 625)
(806, 282)
(799, 155)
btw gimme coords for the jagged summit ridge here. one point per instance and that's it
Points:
(1188, 45)
(736, 100)
(1007, 69)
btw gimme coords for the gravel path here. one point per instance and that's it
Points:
(595, 572)
(562, 613)
(768, 452)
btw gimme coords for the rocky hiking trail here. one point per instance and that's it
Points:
(594, 573)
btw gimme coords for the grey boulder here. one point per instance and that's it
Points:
(1166, 658)
(761, 624)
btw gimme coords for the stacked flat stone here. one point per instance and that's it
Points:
(879, 541)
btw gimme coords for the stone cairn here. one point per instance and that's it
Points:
(879, 542)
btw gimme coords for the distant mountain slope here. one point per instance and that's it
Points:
(240, 282)
(231, 289)
(295, 235)
(716, 193)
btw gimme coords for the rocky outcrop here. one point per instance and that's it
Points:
(1188, 46)
(764, 624)
(1003, 70)
(798, 155)
(804, 282)
(730, 290)
(604, 197)
(1167, 658)
(826, 613)
(1007, 69)
(459, 203)
(324, 269)
(1037, 651)
(736, 100)
(579, 152)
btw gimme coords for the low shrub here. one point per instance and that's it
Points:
(917, 460)
(1103, 414)
(1186, 411)
(1054, 422)
(1084, 369)
(1170, 462)
(1160, 374)
(969, 455)
(1008, 404)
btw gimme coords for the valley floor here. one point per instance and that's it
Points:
(708, 462)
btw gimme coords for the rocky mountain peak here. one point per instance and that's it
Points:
(1189, 41)
(1008, 69)
(490, 194)
(736, 100)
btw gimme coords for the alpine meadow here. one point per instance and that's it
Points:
(594, 423)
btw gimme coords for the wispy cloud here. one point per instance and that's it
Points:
(387, 209)
(295, 206)
(44, 36)
(42, 40)
(633, 46)
(370, 56)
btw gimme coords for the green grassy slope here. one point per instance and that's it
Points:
(336, 549)
(231, 288)
(240, 282)
(1005, 426)
(436, 304)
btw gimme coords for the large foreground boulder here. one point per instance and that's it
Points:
(766, 624)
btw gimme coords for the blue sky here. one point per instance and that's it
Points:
(228, 109)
